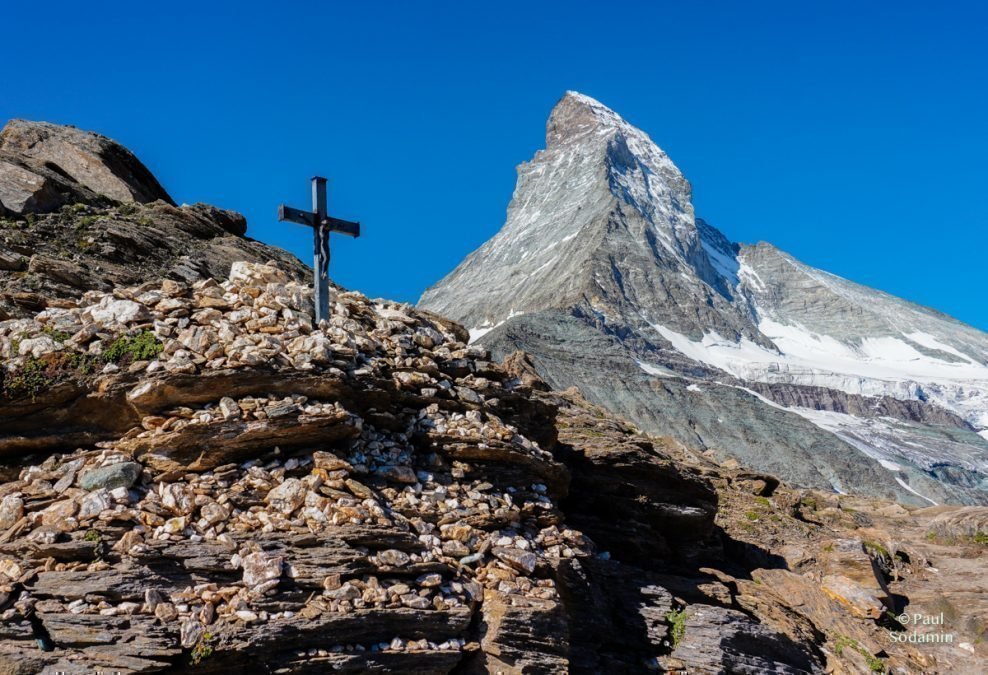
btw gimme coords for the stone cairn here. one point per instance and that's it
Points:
(428, 525)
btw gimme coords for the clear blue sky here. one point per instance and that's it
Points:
(853, 135)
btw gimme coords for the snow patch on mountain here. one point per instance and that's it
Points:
(658, 371)
(748, 275)
(929, 341)
(486, 327)
(898, 479)
(879, 366)
(726, 265)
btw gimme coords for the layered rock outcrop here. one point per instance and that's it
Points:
(371, 494)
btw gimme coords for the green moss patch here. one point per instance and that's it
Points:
(141, 347)
(842, 642)
(38, 374)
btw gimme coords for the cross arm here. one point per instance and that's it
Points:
(296, 216)
(344, 227)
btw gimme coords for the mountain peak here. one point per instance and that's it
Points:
(600, 202)
(576, 115)
(603, 273)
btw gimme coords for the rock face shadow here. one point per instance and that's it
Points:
(662, 588)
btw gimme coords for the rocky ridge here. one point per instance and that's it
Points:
(80, 212)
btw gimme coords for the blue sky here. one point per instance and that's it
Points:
(852, 135)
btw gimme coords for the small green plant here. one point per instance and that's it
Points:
(83, 363)
(35, 375)
(93, 536)
(752, 515)
(38, 374)
(875, 664)
(203, 649)
(763, 501)
(15, 343)
(981, 538)
(876, 550)
(677, 626)
(85, 221)
(30, 380)
(127, 209)
(54, 334)
(841, 643)
(141, 347)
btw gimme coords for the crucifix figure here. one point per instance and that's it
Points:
(322, 224)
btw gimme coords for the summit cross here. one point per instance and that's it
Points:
(322, 224)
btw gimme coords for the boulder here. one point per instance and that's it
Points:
(122, 474)
(963, 522)
(860, 600)
(9, 260)
(100, 220)
(261, 567)
(231, 221)
(245, 272)
(103, 166)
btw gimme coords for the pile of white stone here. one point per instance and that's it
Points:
(485, 536)
(258, 316)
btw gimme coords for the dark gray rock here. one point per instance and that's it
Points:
(89, 215)
(720, 640)
(123, 474)
(601, 218)
(720, 418)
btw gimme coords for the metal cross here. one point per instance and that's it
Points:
(322, 224)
